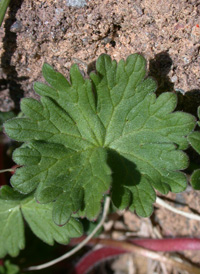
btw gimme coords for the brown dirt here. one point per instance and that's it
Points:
(166, 32)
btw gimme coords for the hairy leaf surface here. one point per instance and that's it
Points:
(14, 206)
(11, 227)
(87, 136)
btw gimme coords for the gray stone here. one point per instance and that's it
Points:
(16, 27)
(76, 3)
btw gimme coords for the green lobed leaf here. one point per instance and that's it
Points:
(11, 227)
(14, 206)
(194, 140)
(9, 268)
(89, 135)
(195, 179)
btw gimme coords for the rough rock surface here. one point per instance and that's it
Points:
(63, 32)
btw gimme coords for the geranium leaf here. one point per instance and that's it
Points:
(13, 206)
(88, 136)
(195, 179)
(194, 140)
(9, 268)
(11, 225)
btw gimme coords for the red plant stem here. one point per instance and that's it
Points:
(169, 245)
(95, 256)
(115, 247)
(14, 168)
(165, 245)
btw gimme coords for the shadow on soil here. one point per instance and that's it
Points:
(159, 67)
(12, 82)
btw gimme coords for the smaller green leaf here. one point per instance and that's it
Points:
(39, 218)
(194, 140)
(11, 227)
(195, 179)
(9, 268)
(4, 116)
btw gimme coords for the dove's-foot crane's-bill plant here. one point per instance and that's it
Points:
(87, 137)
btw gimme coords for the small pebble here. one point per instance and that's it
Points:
(76, 3)
(16, 27)
(186, 60)
(180, 200)
(180, 90)
(58, 11)
(174, 79)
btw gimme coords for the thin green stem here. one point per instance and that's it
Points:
(3, 7)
